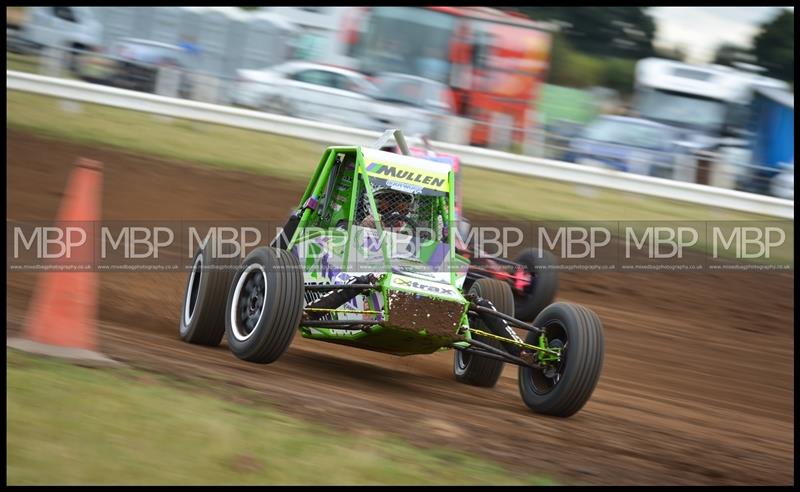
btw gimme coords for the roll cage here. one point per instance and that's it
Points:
(345, 180)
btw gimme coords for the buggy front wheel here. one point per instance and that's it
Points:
(562, 387)
(264, 306)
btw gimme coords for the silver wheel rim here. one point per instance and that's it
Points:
(461, 363)
(236, 326)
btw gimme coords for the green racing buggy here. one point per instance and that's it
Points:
(368, 259)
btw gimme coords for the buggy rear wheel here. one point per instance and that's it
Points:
(474, 369)
(563, 387)
(203, 310)
(264, 306)
(543, 286)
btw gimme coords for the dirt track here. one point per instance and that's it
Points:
(697, 385)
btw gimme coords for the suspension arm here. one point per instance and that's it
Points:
(488, 355)
(501, 353)
(510, 319)
(345, 324)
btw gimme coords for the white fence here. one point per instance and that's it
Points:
(338, 135)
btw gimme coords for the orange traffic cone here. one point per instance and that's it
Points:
(61, 320)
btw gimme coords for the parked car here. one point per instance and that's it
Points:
(306, 90)
(75, 29)
(134, 64)
(559, 133)
(414, 104)
(629, 144)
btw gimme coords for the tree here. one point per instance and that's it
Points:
(596, 46)
(728, 54)
(571, 68)
(773, 46)
(626, 32)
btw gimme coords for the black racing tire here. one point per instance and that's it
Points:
(474, 369)
(265, 302)
(543, 288)
(203, 309)
(580, 332)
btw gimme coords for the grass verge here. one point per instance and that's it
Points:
(212, 145)
(73, 425)
(22, 63)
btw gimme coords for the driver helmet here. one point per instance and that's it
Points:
(395, 207)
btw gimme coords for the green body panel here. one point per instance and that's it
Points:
(410, 312)
(402, 333)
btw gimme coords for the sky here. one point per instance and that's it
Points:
(699, 30)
